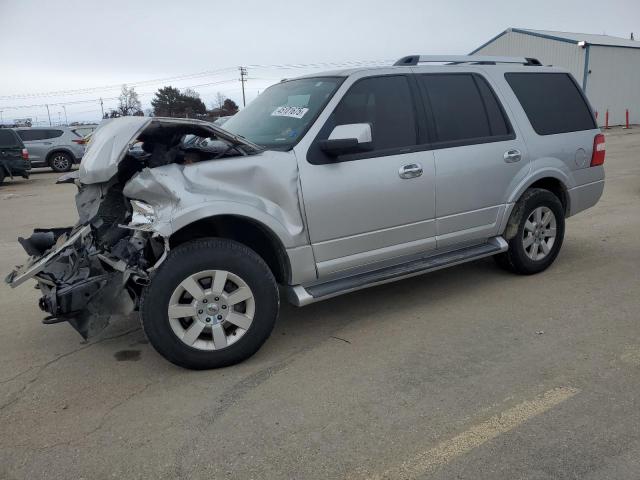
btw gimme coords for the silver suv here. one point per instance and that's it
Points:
(55, 147)
(328, 184)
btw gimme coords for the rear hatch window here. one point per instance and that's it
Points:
(553, 102)
(8, 139)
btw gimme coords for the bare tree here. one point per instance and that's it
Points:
(218, 103)
(189, 92)
(128, 102)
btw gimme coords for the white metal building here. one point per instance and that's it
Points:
(608, 68)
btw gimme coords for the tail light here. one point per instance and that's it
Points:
(25, 154)
(79, 141)
(597, 158)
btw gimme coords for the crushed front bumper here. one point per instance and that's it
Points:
(79, 282)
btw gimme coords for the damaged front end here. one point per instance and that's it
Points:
(97, 269)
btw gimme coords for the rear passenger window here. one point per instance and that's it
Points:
(53, 133)
(28, 135)
(464, 108)
(552, 101)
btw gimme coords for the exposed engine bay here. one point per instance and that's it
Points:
(97, 268)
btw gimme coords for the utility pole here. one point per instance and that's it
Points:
(243, 79)
(102, 107)
(1, 120)
(64, 107)
(48, 115)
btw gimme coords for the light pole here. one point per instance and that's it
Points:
(48, 115)
(65, 115)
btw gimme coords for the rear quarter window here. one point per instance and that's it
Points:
(8, 138)
(53, 133)
(553, 102)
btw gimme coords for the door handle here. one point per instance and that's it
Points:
(410, 171)
(512, 156)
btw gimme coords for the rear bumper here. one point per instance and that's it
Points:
(16, 167)
(584, 196)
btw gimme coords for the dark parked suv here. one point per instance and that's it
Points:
(14, 158)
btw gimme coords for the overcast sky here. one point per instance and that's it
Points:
(49, 46)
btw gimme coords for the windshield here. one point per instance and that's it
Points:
(281, 115)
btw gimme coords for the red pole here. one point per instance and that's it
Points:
(626, 112)
(606, 120)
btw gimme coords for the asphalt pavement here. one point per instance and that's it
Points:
(467, 373)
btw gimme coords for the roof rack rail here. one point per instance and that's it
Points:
(456, 59)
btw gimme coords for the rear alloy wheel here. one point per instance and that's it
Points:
(212, 303)
(535, 233)
(60, 162)
(539, 234)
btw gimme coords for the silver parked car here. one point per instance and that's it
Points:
(55, 147)
(328, 184)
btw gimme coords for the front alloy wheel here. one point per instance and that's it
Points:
(211, 310)
(212, 303)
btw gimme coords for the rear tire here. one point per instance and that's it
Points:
(60, 162)
(535, 233)
(212, 303)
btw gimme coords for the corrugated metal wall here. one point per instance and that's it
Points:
(614, 83)
(549, 52)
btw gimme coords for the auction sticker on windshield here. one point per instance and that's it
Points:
(294, 112)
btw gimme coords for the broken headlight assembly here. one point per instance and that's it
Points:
(143, 216)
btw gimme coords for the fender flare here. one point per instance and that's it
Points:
(272, 225)
(525, 184)
(549, 172)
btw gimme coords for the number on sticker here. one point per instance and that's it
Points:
(294, 112)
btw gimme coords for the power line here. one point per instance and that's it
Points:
(90, 100)
(284, 66)
(78, 91)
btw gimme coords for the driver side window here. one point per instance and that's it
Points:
(386, 104)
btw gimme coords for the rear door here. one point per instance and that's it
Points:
(361, 208)
(38, 142)
(479, 158)
(10, 146)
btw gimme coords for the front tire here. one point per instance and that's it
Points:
(60, 162)
(212, 303)
(535, 233)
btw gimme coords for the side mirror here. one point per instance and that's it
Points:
(352, 138)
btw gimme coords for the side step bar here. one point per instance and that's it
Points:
(300, 296)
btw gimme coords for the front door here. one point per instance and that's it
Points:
(367, 208)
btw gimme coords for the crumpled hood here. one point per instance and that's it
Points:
(111, 140)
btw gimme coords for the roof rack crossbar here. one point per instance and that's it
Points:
(456, 59)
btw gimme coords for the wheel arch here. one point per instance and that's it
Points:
(555, 181)
(60, 150)
(248, 231)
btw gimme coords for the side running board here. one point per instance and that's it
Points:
(300, 296)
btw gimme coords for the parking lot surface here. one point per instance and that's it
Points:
(469, 372)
